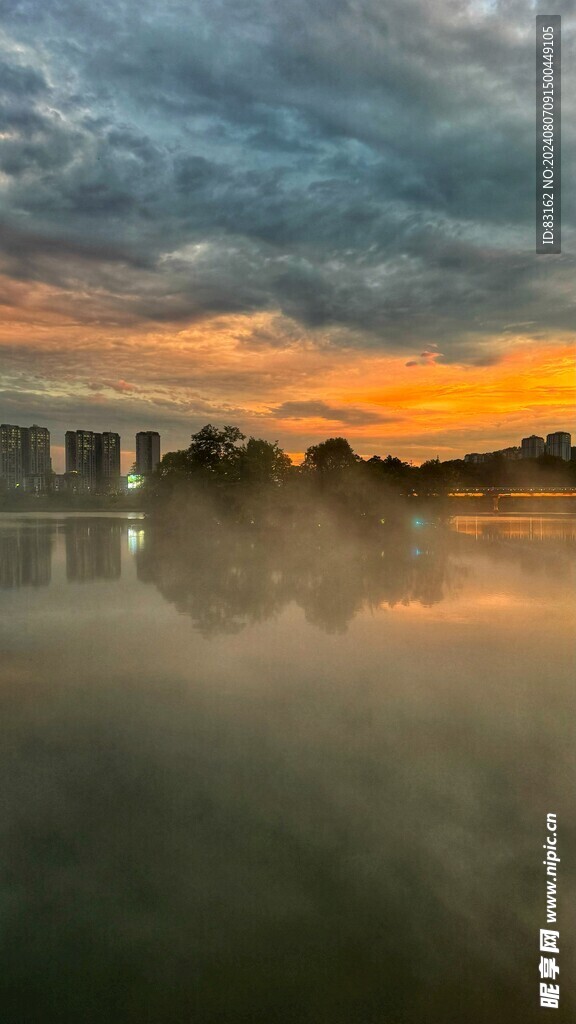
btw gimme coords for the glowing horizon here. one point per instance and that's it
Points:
(381, 404)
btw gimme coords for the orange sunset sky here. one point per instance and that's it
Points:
(299, 392)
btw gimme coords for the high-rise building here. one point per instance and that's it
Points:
(147, 451)
(108, 459)
(94, 458)
(11, 461)
(24, 456)
(558, 444)
(81, 456)
(36, 460)
(533, 447)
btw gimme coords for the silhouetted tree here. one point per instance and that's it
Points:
(174, 463)
(436, 476)
(263, 462)
(333, 456)
(390, 469)
(215, 451)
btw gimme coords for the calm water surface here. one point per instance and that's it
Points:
(303, 784)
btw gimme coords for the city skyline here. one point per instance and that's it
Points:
(96, 455)
(105, 447)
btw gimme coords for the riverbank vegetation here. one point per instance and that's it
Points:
(253, 480)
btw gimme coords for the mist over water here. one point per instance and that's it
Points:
(284, 776)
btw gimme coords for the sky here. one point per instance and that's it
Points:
(308, 219)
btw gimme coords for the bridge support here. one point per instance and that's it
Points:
(495, 502)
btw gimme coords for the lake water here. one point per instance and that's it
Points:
(306, 783)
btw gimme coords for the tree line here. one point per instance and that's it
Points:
(226, 456)
(248, 472)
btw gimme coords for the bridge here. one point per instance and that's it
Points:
(512, 492)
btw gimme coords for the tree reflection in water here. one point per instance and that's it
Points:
(227, 576)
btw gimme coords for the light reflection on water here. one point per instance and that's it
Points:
(515, 527)
(302, 784)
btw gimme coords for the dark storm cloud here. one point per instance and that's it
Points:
(321, 410)
(18, 81)
(351, 165)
